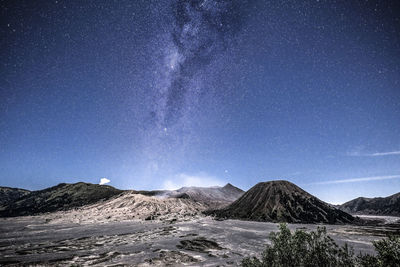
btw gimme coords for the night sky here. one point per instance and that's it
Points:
(162, 94)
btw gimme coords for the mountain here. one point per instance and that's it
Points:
(60, 197)
(19, 202)
(282, 201)
(374, 206)
(8, 194)
(163, 205)
(213, 197)
(131, 206)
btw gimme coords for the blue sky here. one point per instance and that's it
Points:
(160, 94)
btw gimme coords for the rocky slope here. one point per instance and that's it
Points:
(8, 194)
(60, 197)
(374, 206)
(282, 201)
(131, 206)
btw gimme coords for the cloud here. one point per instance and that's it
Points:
(385, 154)
(185, 180)
(378, 154)
(362, 179)
(104, 181)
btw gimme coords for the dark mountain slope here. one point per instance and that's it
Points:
(282, 201)
(60, 197)
(374, 206)
(9, 194)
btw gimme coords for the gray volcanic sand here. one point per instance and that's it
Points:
(201, 241)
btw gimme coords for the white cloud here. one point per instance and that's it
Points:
(185, 180)
(104, 181)
(385, 154)
(377, 154)
(362, 179)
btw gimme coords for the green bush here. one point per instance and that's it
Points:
(316, 248)
(388, 253)
(367, 261)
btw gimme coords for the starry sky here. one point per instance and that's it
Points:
(163, 94)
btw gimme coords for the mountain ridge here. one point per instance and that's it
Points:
(59, 197)
(389, 205)
(66, 196)
(9, 194)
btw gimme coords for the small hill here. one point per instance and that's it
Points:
(282, 201)
(9, 194)
(60, 197)
(374, 206)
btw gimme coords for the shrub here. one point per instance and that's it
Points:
(302, 249)
(316, 248)
(388, 253)
(367, 261)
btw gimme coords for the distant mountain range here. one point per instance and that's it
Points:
(212, 197)
(282, 201)
(19, 202)
(274, 201)
(373, 206)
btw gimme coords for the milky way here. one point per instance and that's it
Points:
(201, 31)
(198, 37)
